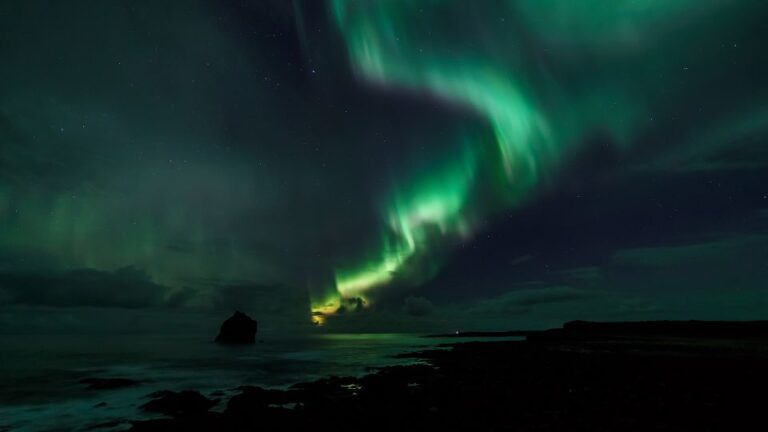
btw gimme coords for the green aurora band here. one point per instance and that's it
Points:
(500, 61)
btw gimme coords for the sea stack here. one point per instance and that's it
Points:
(237, 329)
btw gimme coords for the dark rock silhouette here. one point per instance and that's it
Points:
(237, 329)
(179, 403)
(190, 411)
(253, 402)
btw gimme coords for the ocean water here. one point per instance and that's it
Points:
(39, 375)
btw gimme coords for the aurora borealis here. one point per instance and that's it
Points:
(365, 164)
(534, 118)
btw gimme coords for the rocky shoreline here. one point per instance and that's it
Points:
(576, 378)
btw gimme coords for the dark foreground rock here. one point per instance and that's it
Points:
(619, 382)
(179, 403)
(238, 329)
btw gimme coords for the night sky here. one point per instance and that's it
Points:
(381, 165)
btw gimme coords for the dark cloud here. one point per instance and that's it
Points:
(354, 304)
(273, 300)
(522, 301)
(25, 319)
(417, 306)
(127, 287)
(724, 264)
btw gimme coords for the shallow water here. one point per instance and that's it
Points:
(39, 375)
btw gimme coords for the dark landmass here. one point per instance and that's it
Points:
(488, 334)
(238, 329)
(689, 329)
(655, 376)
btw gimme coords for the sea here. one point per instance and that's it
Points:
(40, 387)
